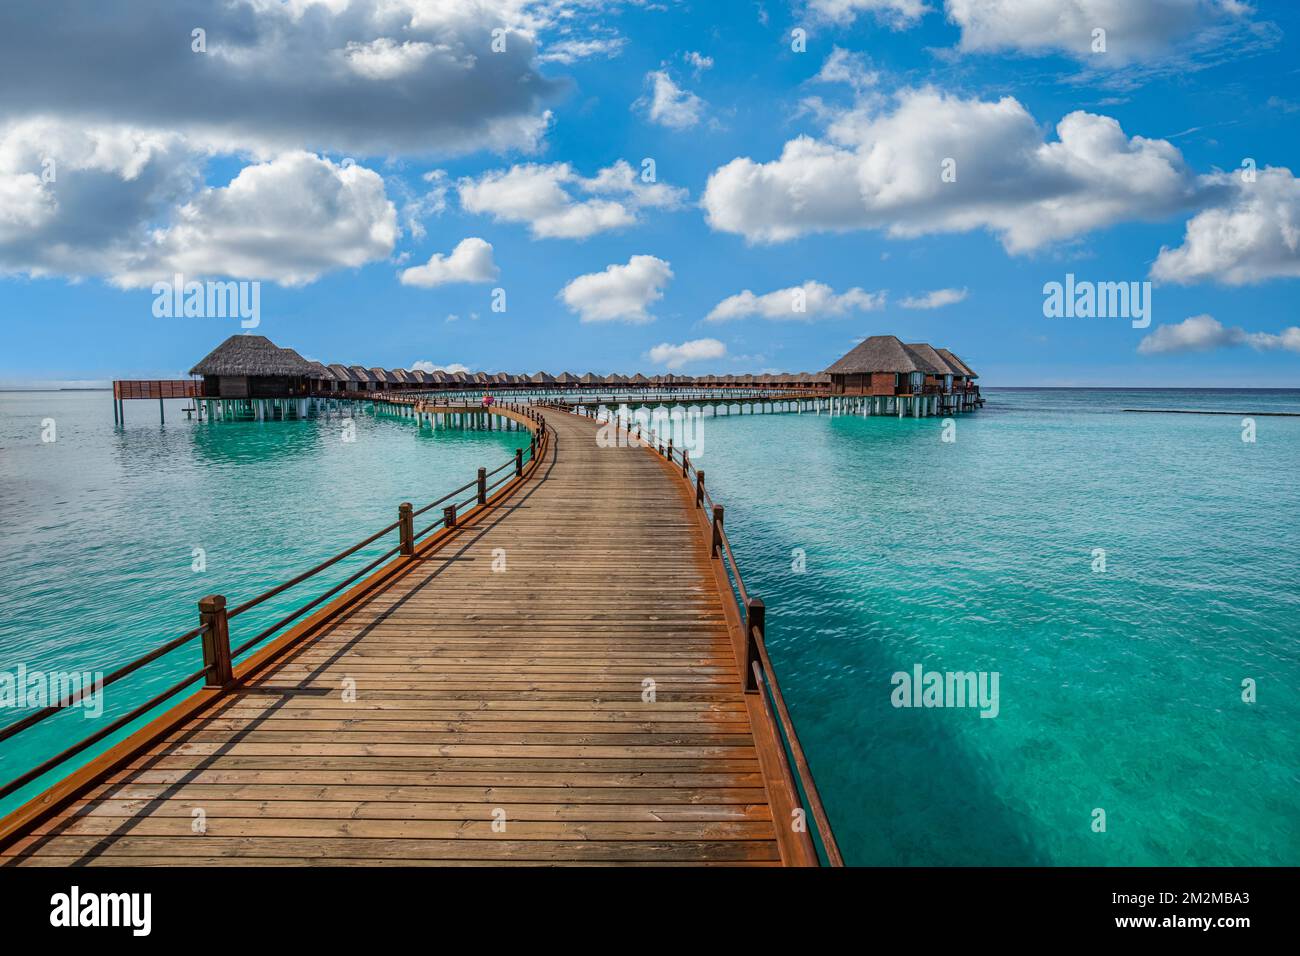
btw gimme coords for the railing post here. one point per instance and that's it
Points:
(699, 489)
(482, 486)
(755, 620)
(685, 464)
(519, 462)
(670, 449)
(715, 549)
(216, 641)
(406, 528)
(449, 516)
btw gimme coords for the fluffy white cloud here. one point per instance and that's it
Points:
(884, 170)
(1133, 30)
(430, 367)
(620, 293)
(1253, 236)
(896, 13)
(936, 299)
(288, 220)
(1204, 333)
(543, 196)
(669, 105)
(127, 204)
(470, 261)
(675, 356)
(811, 300)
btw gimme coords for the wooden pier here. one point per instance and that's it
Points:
(565, 669)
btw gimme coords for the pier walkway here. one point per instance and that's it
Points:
(557, 676)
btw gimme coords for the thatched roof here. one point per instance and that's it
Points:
(320, 372)
(591, 378)
(923, 354)
(400, 376)
(253, 355)
(381, 375)
(879, 353)
(342, 373)
(541, 378)
(361, 373)
(957, 363)
(638, 379)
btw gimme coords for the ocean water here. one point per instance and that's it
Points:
(98, 531)
(1118, 690)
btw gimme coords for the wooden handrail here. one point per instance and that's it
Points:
(759, 666)
(215, 617)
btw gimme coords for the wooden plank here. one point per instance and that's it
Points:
(400, 717)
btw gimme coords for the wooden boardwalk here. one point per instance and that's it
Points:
(554, 681)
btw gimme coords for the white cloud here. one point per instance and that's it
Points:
(935, 300)
(127, 204)
(571, 51)
(1134, 31)
(288, 220)
(846, 66)
(385, 58)
(1254, 235)
(898, 14)
(470, 261)
(882, 170)
(675, 356)
(543, 197)
(811, 300)
(620, 293)
(698, 61)
(671, 106)
(1204, 333)
(430, 367)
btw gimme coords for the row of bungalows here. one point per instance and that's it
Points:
(251, 366)
(915, 376)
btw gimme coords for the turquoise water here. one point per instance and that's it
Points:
(99, 528)
(1118, 690)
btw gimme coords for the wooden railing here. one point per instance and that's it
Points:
(758, 673)
(154, 388)
(215, 617)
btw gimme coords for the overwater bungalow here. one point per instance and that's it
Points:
(322, 379)
(251, 366)
(916, 378)
(345, 377)
(590, 380)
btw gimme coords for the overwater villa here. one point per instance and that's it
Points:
(881, 375)
(914, 379)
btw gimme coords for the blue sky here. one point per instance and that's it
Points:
(325, 149)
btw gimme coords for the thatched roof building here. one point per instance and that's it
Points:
(884, 365)
(252, 366)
